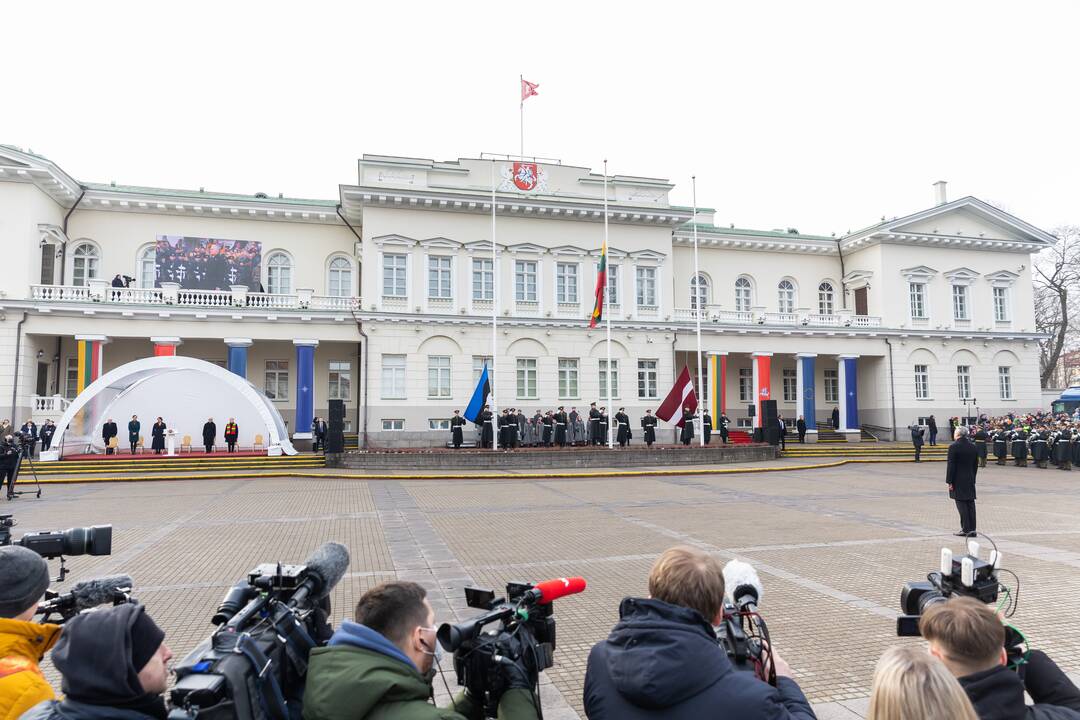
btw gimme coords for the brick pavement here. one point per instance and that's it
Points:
(832, 546)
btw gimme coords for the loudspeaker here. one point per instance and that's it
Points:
(751, 410)
(768, 414)
(335, 428)
(772, 434)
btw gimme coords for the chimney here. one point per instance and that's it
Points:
(939, 193)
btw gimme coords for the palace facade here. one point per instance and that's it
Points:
(384, 295)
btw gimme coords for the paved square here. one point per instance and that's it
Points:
(833, 547)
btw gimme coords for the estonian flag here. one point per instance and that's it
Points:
(479, 397)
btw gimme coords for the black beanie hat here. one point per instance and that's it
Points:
(24, 578)
(146, 638)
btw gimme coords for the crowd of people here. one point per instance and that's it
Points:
(207, 264)
(1045, 438)
(662, 659)
(158, 431)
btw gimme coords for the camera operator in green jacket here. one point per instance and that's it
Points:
(382, 666)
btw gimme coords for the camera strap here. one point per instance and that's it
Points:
(273, 702)
(298, 644)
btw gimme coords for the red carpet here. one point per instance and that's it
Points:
(128, 457)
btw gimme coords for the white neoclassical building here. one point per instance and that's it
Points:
(383, 297)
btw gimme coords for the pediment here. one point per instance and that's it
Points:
(441, 242)
(961, 275)
(919, 272)
(526, 249)
(568, 250)
(7, 160)
(394, 239)
(968, 217)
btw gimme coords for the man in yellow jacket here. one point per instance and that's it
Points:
(24, 577)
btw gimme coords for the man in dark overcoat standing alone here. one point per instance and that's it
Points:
(960, 477)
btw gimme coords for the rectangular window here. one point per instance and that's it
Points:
(483, 279)
(646, 286)
(568, 378)
(832, 386)
(393, 424)
(438, 376)
(963, 381)
(478, 363)
(1001, 304)
(438, 424)
(340, 380)
(394, 275)
(614, 379)
(566, 282)
(526, 378)
(790, 380)
(646, 379)
(917, 294)
(960, 302)
(525, 280)
(71, 379)
(1005, 383)
(48, 264)
(922, 382)
(612, 284)
(393, 377)
(746, 385)
(439, 277)
(276, 382)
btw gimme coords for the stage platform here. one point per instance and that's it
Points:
(564, 458)
(151, 457)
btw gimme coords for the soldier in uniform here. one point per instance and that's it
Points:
(605, 425)
(648, 424)
(981, 437)
(577, 423)
(1063, 448)
(623, 424)
(1000, 438)
(548, 422)
(522, 424)
(706, 426)
(1039, 452)
(561, 427)
(537, 428)
(724, 422)
(1074, 448)
(487, 431)
(571, 427)
(594, 425)
(1019, 446)
(457, 429)
(688, 426)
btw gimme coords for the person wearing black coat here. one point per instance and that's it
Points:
(931, 426)
(48, 429)
(134, 426)
(487, 430)
(687, 433)
(981, 438)
(157, 432)
(960, 477)
(209, 435)
(917, 440)
(30, 432)
(724, 422)
(108, 432)
(662, 661)
(548, 430)
(561, 427)
(836, 418)
(706, 426)
(1020, 447)
(457, 429)
(594, 425)
(1000, 438)
(648, 425)
(622, 422)
(800, 427)
(232, 434)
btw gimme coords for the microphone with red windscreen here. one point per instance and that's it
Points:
(546, 591)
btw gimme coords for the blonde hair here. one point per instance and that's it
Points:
(691, 578)
(911, 684)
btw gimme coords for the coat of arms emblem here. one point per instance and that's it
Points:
(523, 177)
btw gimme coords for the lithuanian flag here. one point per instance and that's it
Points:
(601, 282)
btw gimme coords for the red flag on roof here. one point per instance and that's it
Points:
(528, 89)
(681, 396)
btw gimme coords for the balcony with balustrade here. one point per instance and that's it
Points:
(716, 314)
(170, 294)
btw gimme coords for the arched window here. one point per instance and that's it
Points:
(339, 278)
(699, 292)
(785, 296)
(84, 264)
(743, 295)
(147, 272)
(279, 274)
(825, 298)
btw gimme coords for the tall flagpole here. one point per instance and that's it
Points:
(697, 316)
(494, 319)
(521, 115)
(607, 311)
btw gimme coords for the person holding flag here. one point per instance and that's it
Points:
(681, 397)
(477, 411)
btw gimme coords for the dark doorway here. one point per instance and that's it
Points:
(860, 301)
(42, 379)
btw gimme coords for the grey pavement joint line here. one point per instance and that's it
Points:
(420, 554)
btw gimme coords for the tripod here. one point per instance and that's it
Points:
(12, 493)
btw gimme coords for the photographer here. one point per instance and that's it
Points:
(24, 577)
(969, 638)
(114, 665)
(663, 660)
(383, 665)
(9, 463)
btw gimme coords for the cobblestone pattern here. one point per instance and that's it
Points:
(832, 546)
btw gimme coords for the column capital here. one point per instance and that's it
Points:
(762, 354)
(806, 355)
(166, 341)
(847, 357)
(306, 343)
(238, 342)
(718, 352)
(93, 338)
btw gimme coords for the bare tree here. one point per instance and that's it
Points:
(1056, 276)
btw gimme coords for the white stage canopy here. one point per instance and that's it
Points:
(184, 391)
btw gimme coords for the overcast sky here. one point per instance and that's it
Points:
(820, 115)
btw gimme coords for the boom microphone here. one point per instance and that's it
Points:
(549, 590)
(743, 585)
(325, 567)
(87, 594)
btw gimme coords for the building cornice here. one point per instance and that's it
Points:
(111, 311)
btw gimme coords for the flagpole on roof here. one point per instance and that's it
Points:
(521, 117)
(696, 287)
(494, 320)
(607, 311)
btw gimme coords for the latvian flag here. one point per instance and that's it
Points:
(601, 284)
(681, 396)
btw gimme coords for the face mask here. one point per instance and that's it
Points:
(436, 655)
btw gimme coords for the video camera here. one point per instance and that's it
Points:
(254, 666)
(966, 576)
(94, 540)
(525, 634)
(115, 589)
(742, 632)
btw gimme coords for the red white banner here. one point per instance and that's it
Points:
(762, 383)
(528, 89)
(681, 396)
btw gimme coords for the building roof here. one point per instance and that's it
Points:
(779, 234)
(207, 194)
